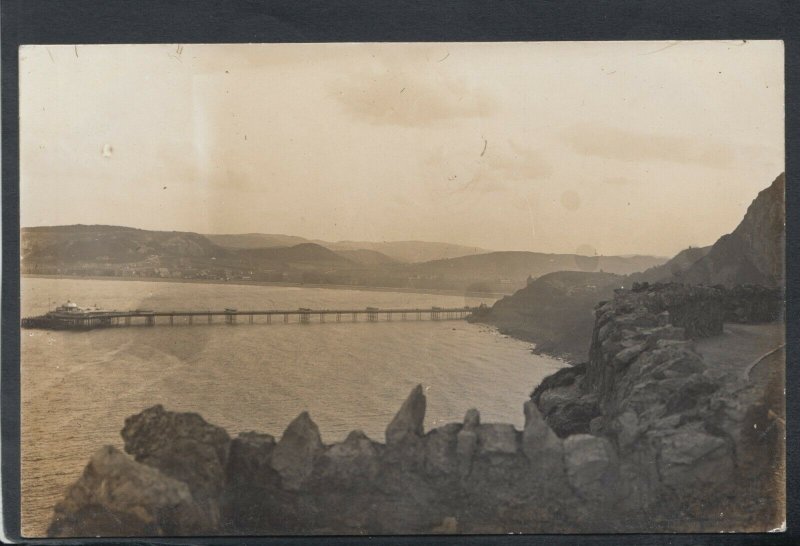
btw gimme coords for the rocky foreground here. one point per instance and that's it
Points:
(648, 435)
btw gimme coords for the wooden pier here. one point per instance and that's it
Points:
(110, 319)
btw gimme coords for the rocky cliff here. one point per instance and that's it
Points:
(648, 435)
(556, 311)
(689, 430)
(754, 252)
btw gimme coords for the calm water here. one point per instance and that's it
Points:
(78, 387)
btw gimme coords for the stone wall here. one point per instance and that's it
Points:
(646, 436)
(676, 423)
(188, 477)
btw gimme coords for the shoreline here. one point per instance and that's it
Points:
(431, 291)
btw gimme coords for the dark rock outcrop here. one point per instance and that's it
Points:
(754, 252)
(294, 455)
(641, 358)
(672, 422)
(555, 310)
(408, 421)
(183, 446)
(119, 497)
(591, 466)
(647, 435)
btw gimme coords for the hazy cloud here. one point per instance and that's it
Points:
(406, 98)
(617, 181)
(518, 163)
(500, 166)
(470, 143)
(595, 139)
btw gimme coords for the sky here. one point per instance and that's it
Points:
(588, 147)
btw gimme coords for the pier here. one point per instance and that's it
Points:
(109, 319)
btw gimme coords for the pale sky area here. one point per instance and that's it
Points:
(622, 147)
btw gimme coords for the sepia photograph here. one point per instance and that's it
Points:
(404, 288)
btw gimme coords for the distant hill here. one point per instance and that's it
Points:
(255, 240)
(122, 251)
(409, 251)
(112, 244)
(754, 252)
(369, 258)
(305, 254)
(555, 311)
(672, 269)
(400, 251)
(516, 266)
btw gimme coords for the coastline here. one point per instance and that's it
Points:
(432, 291)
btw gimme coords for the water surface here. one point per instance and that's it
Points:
(78, 387)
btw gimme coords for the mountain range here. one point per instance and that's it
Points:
(122, 251)
(400, 251)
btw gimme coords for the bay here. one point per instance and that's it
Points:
(78, 387)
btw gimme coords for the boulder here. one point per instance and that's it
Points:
(552, 399)
(572, 415)
(249, 461)
(349, 463)
(440, 449)
(626, 429)
(690, 456)
(117, 496)
(628, 355)
(472, 419)
(296, 451)
(541, 446)
(591, 466)
(183, 446)
(497, 439)
(687, 392)
(409, 420)
(569, 376)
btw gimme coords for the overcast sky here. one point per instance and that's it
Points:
(616, 147)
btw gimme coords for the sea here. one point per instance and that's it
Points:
(78, 387)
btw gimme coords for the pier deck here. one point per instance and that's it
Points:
(107, 319)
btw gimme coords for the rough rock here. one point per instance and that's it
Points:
(626, 429)
(352, 461)
(409, 420)
(754, 252)
(249, 461)
(117, 496)
(591, 465)
(183, 446)
(569, 376)
(569, 413)
(440, 449)
(664, 333)
(296, 451)
(472, 419)
(691, 457)
(541, 446)
(675, 441)
(628, 355)
(497, 439)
